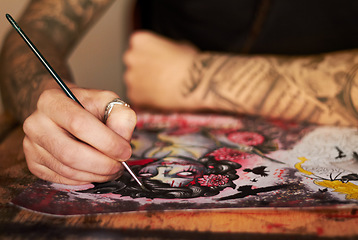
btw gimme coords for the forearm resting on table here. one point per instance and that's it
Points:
(319, 89)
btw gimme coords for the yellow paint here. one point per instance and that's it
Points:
(350, 189)
(298, 166)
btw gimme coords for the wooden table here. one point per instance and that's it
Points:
(219, 224)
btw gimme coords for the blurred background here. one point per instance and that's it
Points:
(97, 60)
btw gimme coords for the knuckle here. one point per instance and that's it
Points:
(75, 123)
(129, 78)
(32, 123)
(43, 141)
(26, 145)
(45, 98)
(34, 167)
(68, 173)
(131, 59)
(68, 158)
(109, 94)
(34, 170)
(58, 179)
(127, 58)
(126, 77)
(138, 37)
(27, 125)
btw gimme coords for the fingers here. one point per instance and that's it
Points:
(42, 164)
(157, 71)
(66, 149)
(122, 120)
(83, 124)
(68, 144)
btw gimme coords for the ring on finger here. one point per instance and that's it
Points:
(110, 105)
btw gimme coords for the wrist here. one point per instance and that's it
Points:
(200, 80)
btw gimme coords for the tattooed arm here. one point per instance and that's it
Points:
(55, 28)
(319, 88)
(63, 142)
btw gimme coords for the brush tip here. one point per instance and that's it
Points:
(144, 188)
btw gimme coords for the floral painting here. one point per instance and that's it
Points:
(205, 161)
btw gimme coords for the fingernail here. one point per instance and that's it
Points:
(126, 154)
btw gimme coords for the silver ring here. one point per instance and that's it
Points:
(110, 106)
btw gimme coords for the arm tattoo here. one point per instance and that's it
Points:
(319, 89)
(54, 27)
(68, 23)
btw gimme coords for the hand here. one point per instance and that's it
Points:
(67, 144)
(156, 68)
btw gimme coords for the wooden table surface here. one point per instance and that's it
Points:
(219, 224)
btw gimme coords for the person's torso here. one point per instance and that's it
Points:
(253, 26)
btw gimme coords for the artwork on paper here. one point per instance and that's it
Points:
(214, 161)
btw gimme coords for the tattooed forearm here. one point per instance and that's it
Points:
(63, 21)
(54, 27)
(320, 89)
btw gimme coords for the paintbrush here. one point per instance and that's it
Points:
(60, 82)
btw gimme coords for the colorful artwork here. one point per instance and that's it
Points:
(214, 161)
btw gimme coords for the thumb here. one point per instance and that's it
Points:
(122, 119)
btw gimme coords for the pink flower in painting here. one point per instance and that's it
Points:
(229, 154)
(213, 180)
(246, 138)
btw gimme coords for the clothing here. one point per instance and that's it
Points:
(256, 26)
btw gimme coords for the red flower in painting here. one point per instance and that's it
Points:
(246, 138)
(229, 154)
(213, 180)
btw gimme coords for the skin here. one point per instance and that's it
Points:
(64, 143)
(162, 74)
(319, 89)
